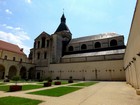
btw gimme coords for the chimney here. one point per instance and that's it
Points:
(21, 49)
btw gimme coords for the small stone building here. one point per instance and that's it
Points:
(95, 57)
(13, 61)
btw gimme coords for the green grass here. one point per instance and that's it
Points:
(4, 88)
(2, 83)
(84, 84)
(29, 87)
(56, 92)
(24, 87)
(10, 100)
(62, 82)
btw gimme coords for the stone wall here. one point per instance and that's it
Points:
(100, 70)
(132, 54)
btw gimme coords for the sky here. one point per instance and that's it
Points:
(21, 21)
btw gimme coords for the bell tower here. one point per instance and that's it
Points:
(61, 38)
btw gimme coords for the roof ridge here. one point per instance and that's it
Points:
(108, 33)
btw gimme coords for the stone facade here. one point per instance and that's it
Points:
(132, 54)
(110, 70)
(60, 55)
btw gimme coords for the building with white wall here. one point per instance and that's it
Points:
(132, 53)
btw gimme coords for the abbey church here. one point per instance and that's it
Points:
(95, 57)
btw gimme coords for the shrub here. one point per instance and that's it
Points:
(57, 83)
(70, 80)
(16, 79)
(57, 78)
(49, 79)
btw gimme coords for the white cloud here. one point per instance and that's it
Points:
(28, 1)
(15, 35)
(8, 11)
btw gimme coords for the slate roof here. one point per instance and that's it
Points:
(93, 37)
(62, 26)
(110, 52)
(10, 47)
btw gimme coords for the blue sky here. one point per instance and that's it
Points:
(21, 21)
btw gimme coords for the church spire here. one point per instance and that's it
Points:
(63, 19)
(62, 26)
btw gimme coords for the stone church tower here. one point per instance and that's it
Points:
(49, 48)
(60, 39)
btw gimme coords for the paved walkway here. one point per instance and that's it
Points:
(103, 93)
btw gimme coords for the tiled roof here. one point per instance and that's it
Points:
(93, 37)
(10, 47)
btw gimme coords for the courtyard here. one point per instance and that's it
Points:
(101, 93)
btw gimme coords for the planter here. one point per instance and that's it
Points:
(50, 80)
(7, 80)
(57, 83)
(15, 88)
(70, 81)
(40, 80)
(47, 84)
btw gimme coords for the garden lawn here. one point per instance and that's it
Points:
(84, 84)
(2, 83)
(24, 87)
(56, 92)
(10, 100)
(62, 82)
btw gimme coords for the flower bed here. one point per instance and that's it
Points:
(15, 88)
(70, 81)
(46, 84)
(57, 83)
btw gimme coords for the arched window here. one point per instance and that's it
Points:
(38, 44)
(97, 45)
(14, 58)
(83, 47)
(43, 42)
(34, 44)
(70, 48)
(47, 43)
(5, 57)
(38, 55)
(113, 42)
(45, 55)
